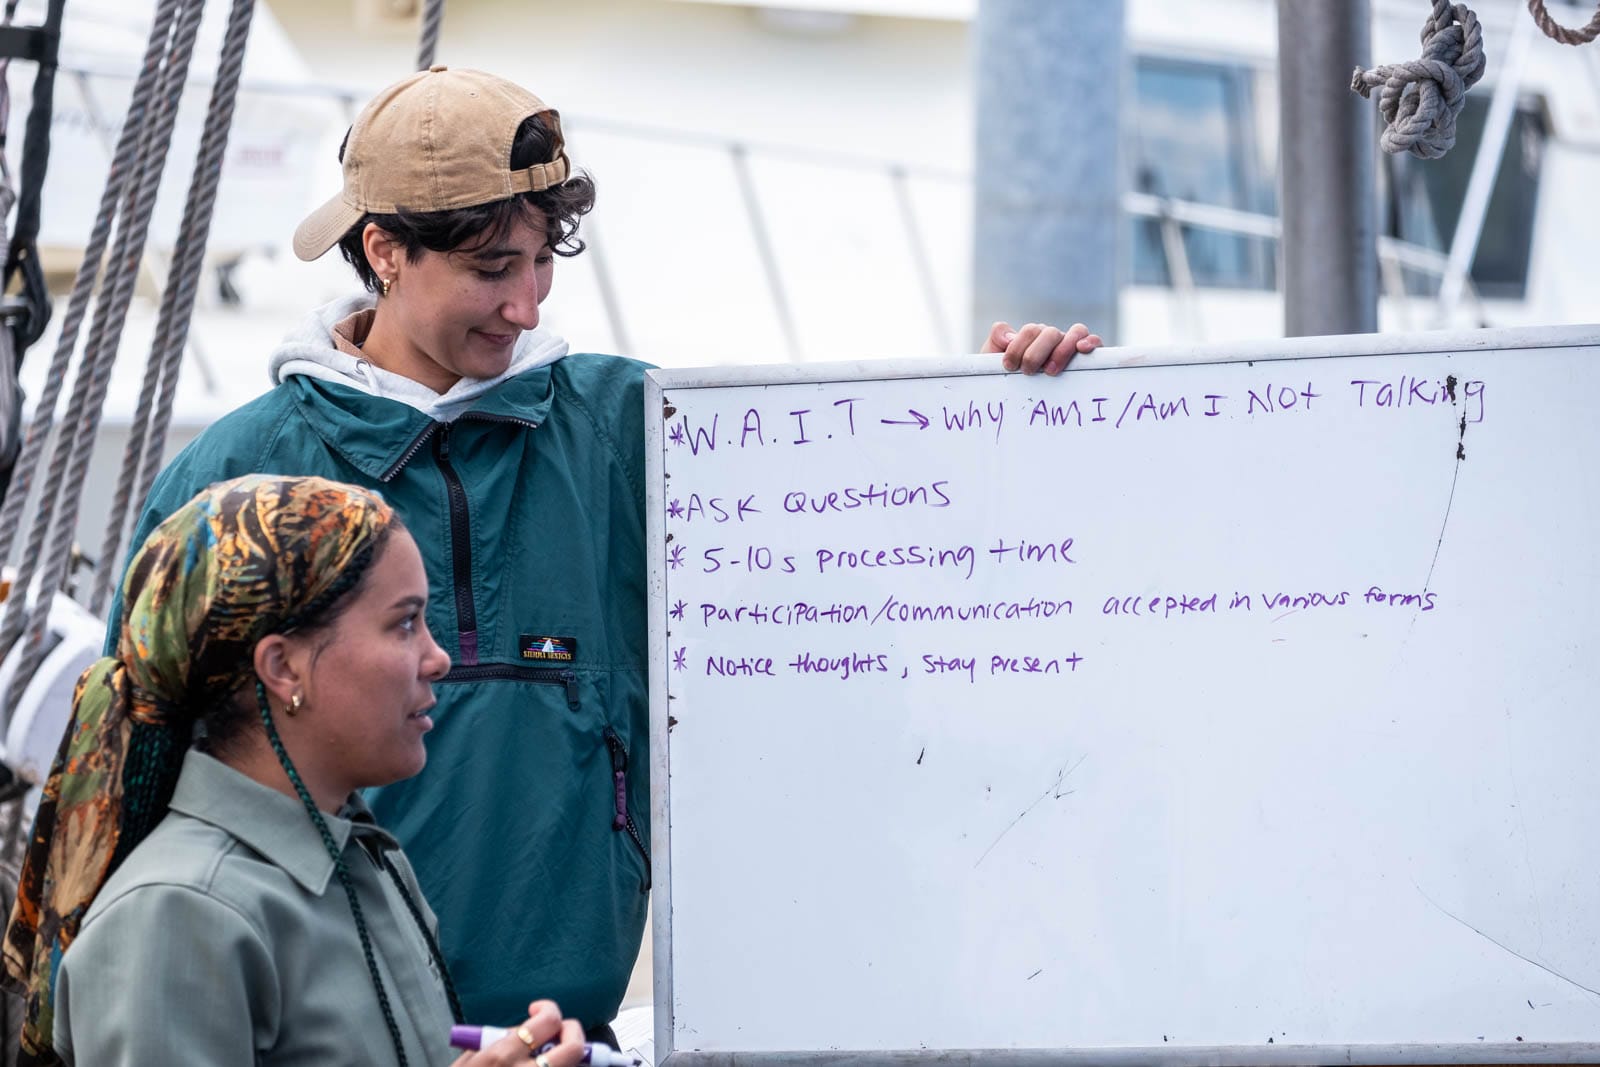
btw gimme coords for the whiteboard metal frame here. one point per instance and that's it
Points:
(658, 382)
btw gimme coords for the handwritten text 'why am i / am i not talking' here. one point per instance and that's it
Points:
(849, 417)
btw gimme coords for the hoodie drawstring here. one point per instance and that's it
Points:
(365, 368)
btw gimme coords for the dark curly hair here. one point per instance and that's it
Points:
(470, 228)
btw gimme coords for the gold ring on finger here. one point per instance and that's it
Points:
(526, 1037)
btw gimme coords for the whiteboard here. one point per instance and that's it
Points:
(1215, 705)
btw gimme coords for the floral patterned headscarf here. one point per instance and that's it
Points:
(254, 556)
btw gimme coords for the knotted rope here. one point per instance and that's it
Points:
(1557, 32)
(1420, 100)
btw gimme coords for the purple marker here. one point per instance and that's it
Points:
(597, 1054)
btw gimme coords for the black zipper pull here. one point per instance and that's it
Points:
(570, 677)
(619, 778)
(444, 443)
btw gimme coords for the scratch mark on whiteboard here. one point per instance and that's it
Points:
(1461, 456)
(1500, 944)
(1054, 790)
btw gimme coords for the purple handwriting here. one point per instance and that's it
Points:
(1137, 408)
(845, 666)
(1033, 553)
(756, 558)
(974, 417)
(1407, 392)
(716, 509)
(1273, 399)
(798, 613)
(964, 558)
(1183, 604)
(1000, 664)
(886, 495)
(872, 495)
(1165, 606)
(1032, 664)
(1425, 600)
(896, 610)
(931, 556)
(850, 417)
(892, 610)
(739, 666)
(859, 664)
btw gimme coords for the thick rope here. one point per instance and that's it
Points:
(142, 458)
(5, 94)
(70, 460)
(428, 44)
(122, 160)
(10, 393)
(124, 163)
(1421, 99)
(57, 515)
(1557, 32)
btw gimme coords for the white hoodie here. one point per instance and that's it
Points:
(308, 350)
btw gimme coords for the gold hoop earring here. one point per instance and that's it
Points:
(296, 702)
(384, 285)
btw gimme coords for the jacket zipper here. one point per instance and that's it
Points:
(479, 416)
(411, 450)
(460, 523)
(428, 431)
(460, 551)
(508, 672)
(621, 820)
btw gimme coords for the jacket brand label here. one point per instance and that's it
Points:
(545, 648)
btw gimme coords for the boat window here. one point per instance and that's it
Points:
(1425, 198)
(1195, 141)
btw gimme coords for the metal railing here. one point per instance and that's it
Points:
(1172, 218)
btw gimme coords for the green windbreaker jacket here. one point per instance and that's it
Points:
(529, 511)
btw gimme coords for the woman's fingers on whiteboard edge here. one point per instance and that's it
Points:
(1039, 347)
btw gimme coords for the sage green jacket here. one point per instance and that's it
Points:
(226, 939)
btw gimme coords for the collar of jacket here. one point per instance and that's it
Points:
(273, 824)
(376, 435)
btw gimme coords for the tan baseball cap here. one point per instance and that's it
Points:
(440, 139)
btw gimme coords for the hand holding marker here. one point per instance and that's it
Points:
(596, 1054)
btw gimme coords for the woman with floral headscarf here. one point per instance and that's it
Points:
(178, 899)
